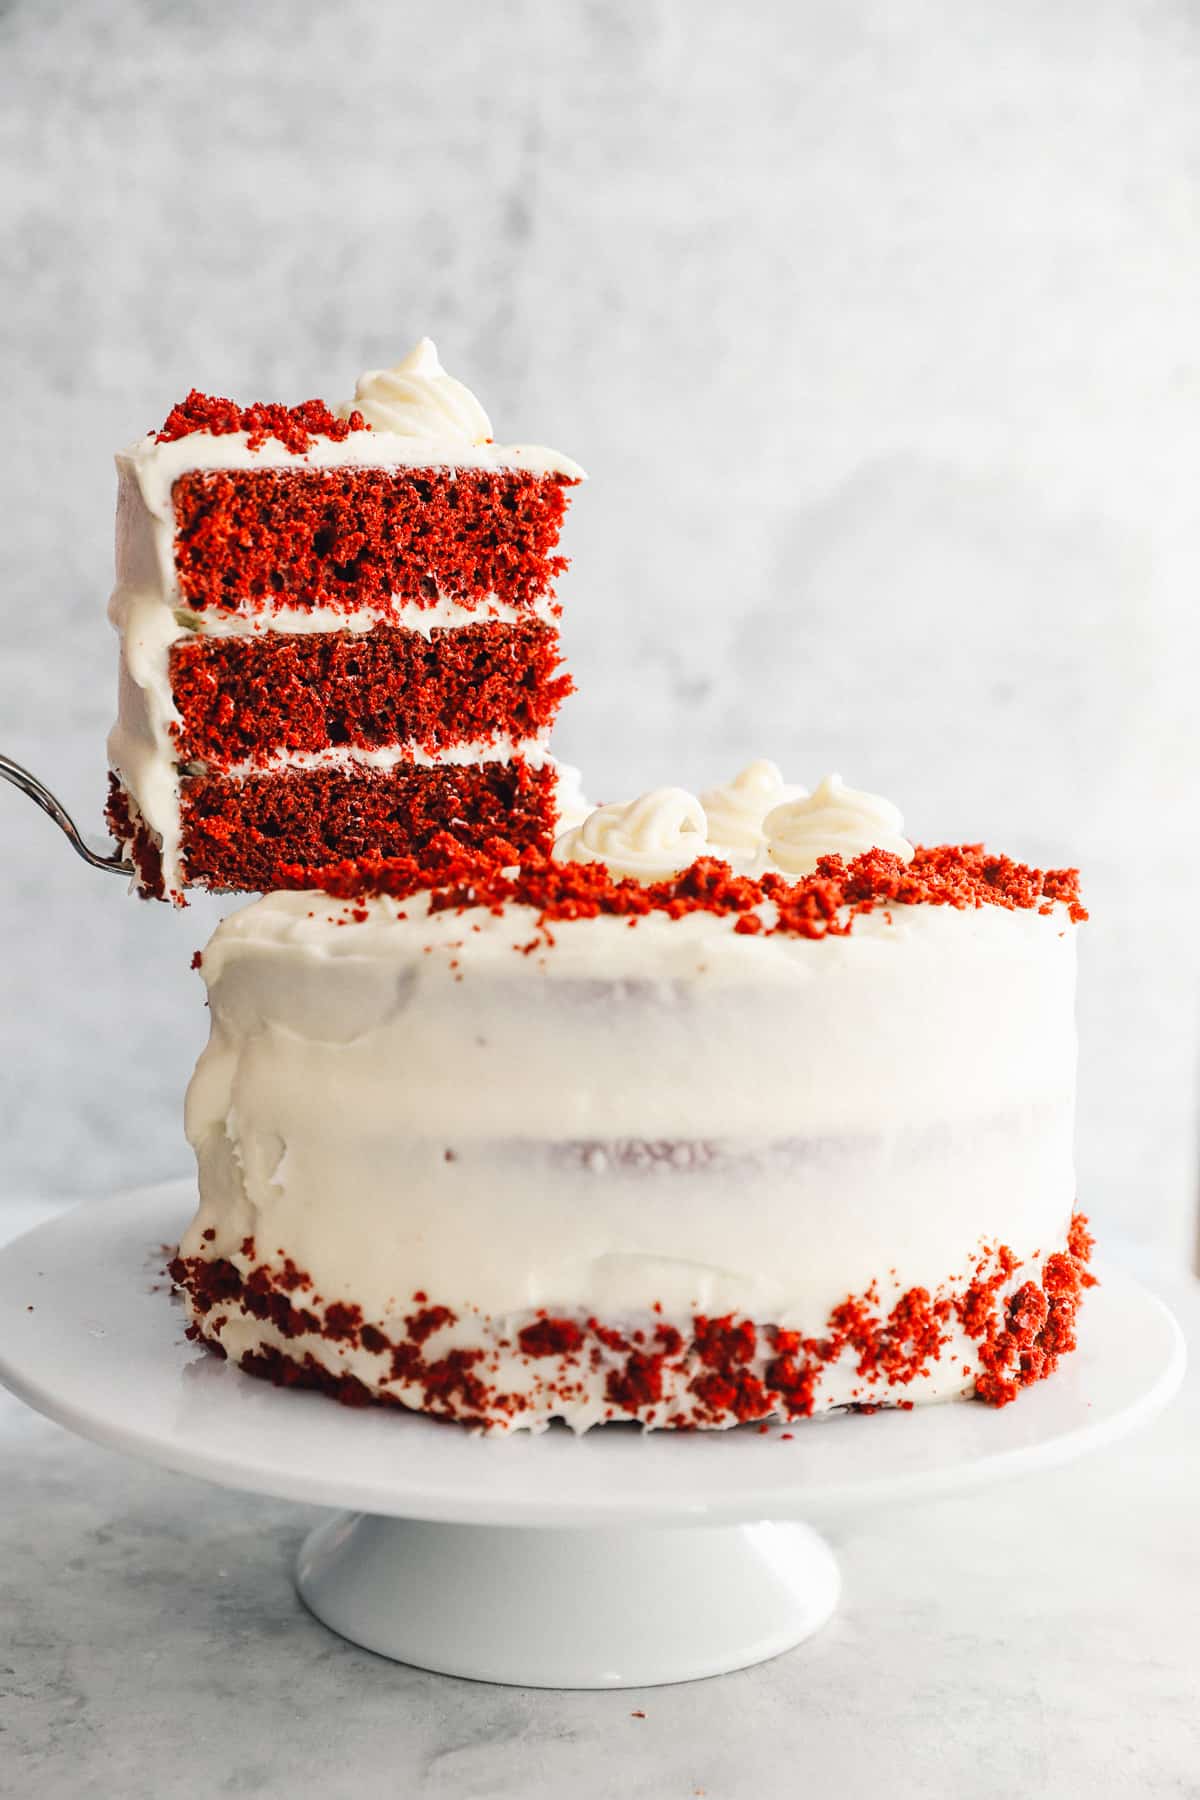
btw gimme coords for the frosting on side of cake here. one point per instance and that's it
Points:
(670, 1120)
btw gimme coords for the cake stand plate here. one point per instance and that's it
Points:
(613, 1560)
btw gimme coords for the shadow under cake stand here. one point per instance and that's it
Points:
(613, 1560)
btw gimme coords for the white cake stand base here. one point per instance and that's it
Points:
(579, 1609)
(612, 1560)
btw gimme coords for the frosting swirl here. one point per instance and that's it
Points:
(834, 820)
(735, 812)
(649, 839)
(418, 399)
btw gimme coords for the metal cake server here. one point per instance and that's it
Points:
(41, 796)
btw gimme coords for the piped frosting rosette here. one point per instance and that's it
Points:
(735, 812)
(418, 399)
(648, 839)
(418, 402)
(834, 820)
(666, 830)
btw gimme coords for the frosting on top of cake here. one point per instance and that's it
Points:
(736, 810)
(413, 416)
(652, 837)
(757, 823)
(834, 820)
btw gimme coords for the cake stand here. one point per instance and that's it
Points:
(613, 1560)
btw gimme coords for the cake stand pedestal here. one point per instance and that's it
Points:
(620, 1607)
(613, 1560)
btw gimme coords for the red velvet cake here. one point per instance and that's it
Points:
(660, 1129)
(339, 634)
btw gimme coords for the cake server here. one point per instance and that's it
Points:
(41, 796)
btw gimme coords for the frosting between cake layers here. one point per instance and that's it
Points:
(500, 748)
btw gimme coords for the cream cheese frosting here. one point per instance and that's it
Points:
(418, 399)
(616, 1116)
(757, 822)
(652, 837)
(834, 820)
(421, 417)
(735, 811)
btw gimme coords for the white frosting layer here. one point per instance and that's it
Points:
(670, 1112)
(421, 418)
(390, 756)
(159, 466)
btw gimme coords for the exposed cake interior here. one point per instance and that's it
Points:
(347, 538)
(358, 607)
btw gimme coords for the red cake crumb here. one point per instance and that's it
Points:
(273, 831)
(639, 1384)
(243, 698)
(294, 426)
(248, 541)
(825, 903)
(135, 840)
(550, 1337)
(422, 1325)
(1020, 1340)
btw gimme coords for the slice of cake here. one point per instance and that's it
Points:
(628, 1135)
(338, 633)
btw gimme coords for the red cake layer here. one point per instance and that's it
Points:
(268, 831)
(241, 698)
(247, 540)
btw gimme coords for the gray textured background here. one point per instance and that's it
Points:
(876, 329)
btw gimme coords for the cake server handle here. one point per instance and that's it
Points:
(41, 796)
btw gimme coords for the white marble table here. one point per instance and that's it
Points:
(1040, 1639)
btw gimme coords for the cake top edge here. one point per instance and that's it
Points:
(410, 414)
